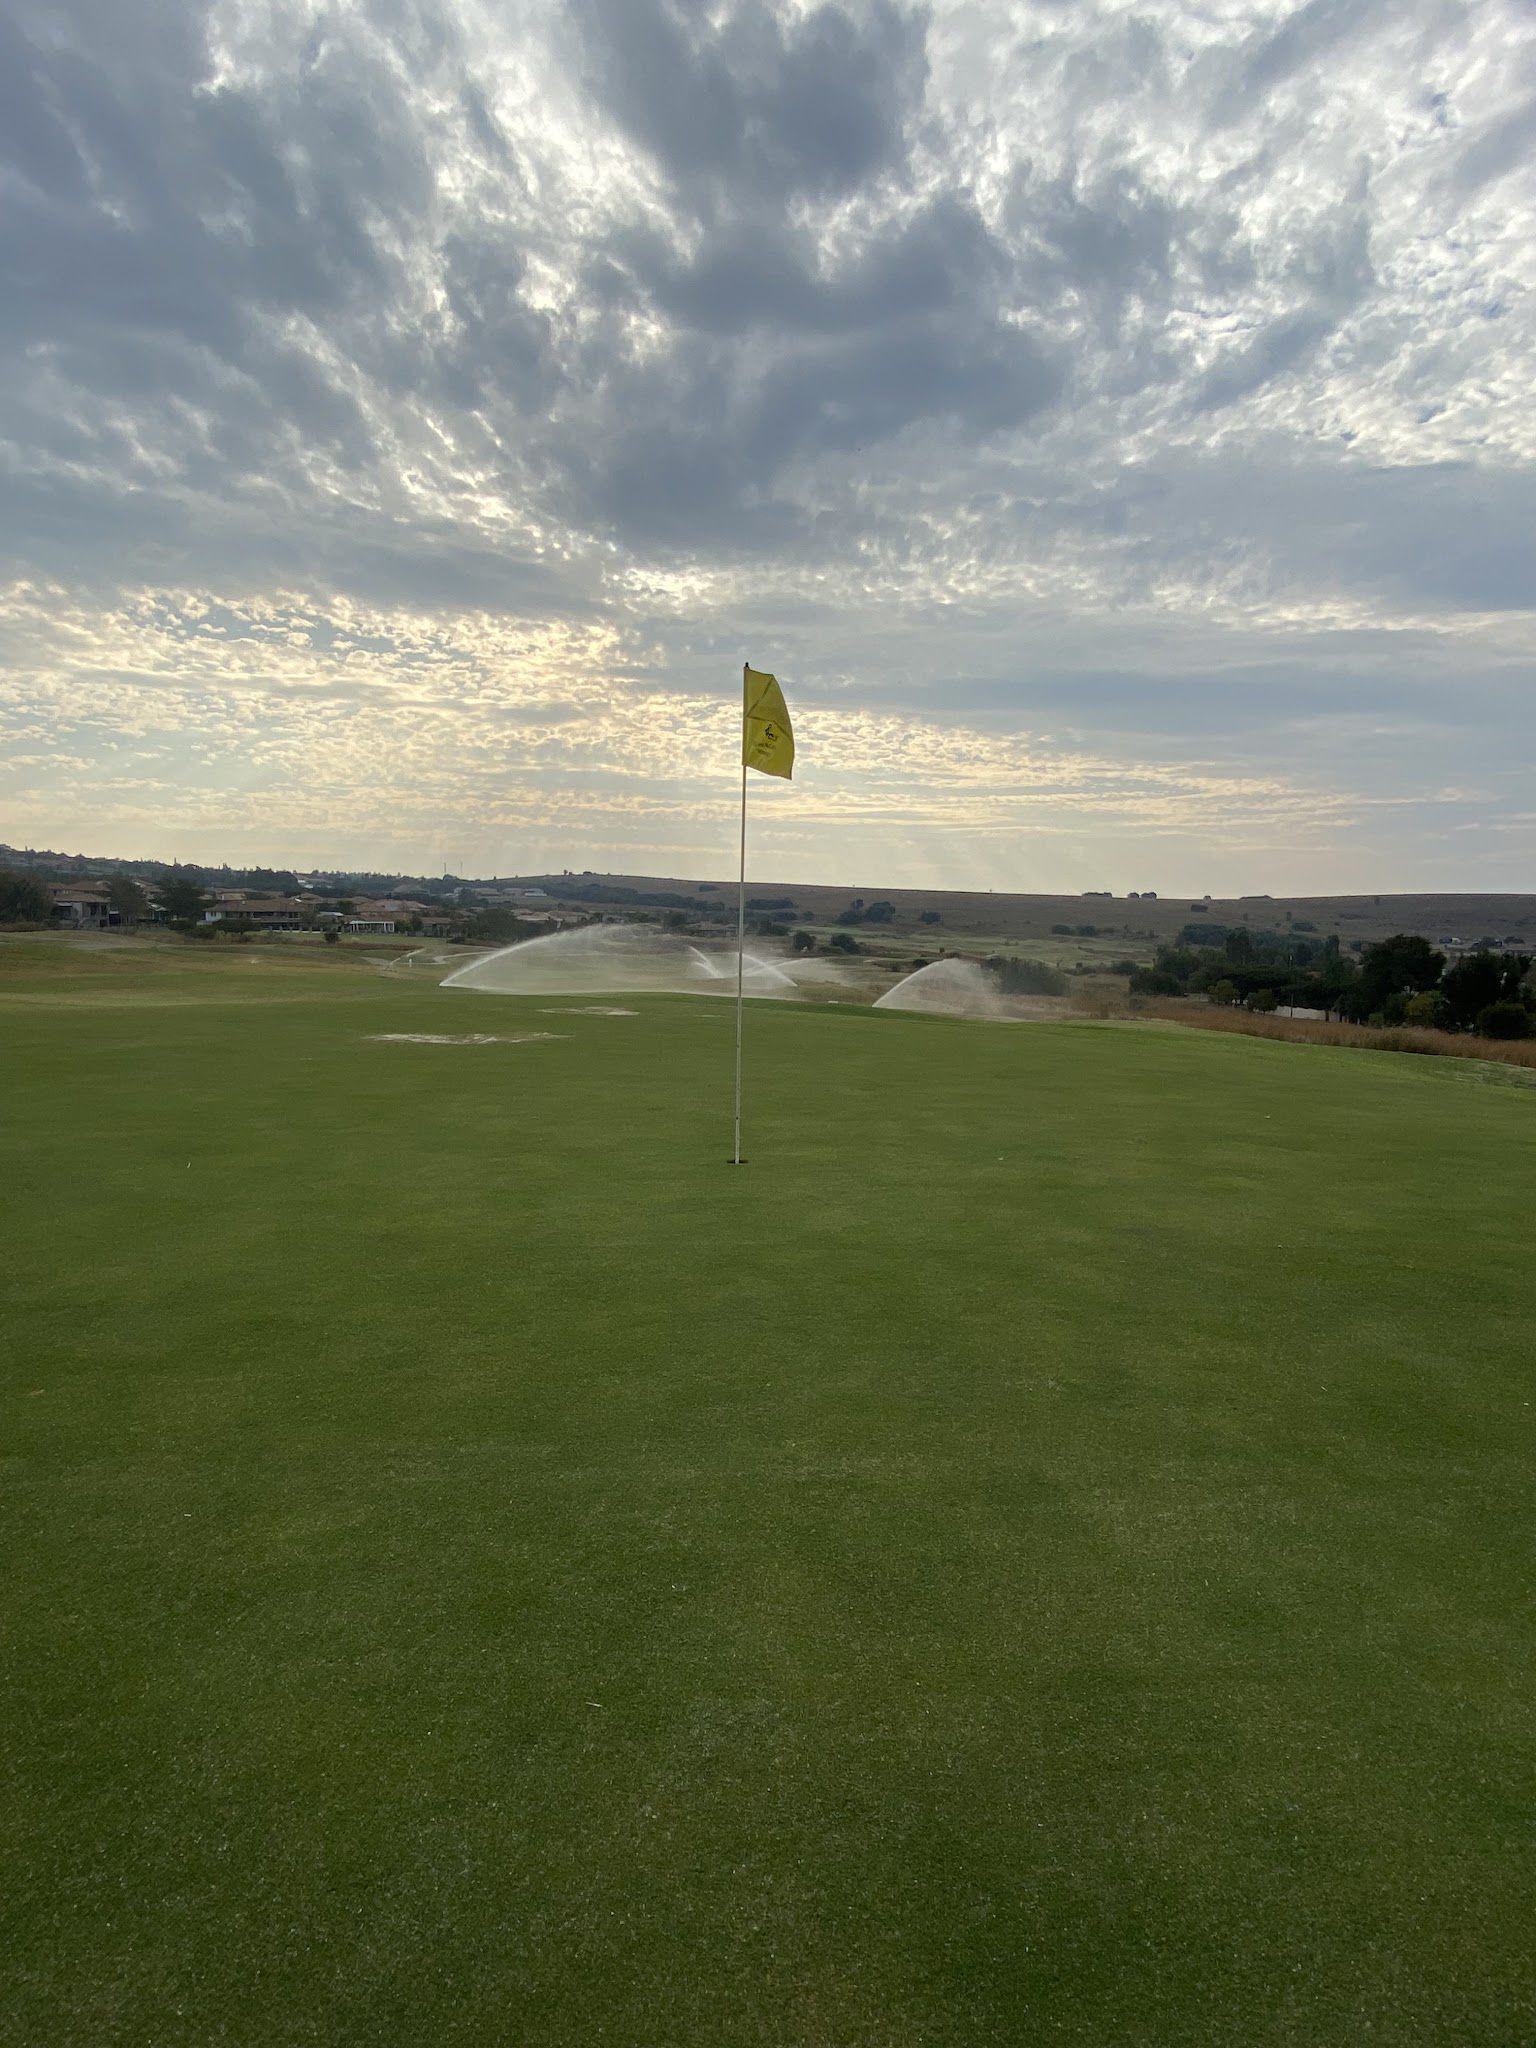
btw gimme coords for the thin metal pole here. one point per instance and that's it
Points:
(741, 940)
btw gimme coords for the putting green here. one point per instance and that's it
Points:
(1041, 1554)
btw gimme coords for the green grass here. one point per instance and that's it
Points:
(1042, 1554)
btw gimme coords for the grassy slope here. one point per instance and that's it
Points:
(1040, 1555)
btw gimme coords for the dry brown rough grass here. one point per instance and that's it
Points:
(1363, 1037)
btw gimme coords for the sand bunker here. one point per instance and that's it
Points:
(609, 958)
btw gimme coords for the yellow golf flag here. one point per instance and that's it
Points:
(767, 743)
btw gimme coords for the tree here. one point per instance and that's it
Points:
(842, 942)
(803, 942)
(1182, 962)
(931, 917)
(1503, 1020)
(1403, 964)
(1223, 992)
(23, 899)
(1480, 980)
(500, 927)
(1428, 1009)
(128, 899)
(1264, 1000)
(182, 897)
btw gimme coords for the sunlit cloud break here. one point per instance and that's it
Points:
(1114, 426)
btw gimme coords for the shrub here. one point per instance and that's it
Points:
(1123, 967)
(1264, 1000)
(842, 942)
(1156, 981)
(1028, 978)
(1503, 1020)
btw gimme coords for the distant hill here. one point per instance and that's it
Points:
(1454, 921)
(968, 916)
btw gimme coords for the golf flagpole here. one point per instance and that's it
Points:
(741, 941)
(768, 745)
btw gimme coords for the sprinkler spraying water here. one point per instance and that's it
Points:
(605, 959)
(947, 988)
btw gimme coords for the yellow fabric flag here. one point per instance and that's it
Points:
(767, 742)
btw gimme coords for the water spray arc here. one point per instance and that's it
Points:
(947, 988)
(615, 959)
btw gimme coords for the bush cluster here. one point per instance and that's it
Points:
(1401, 980)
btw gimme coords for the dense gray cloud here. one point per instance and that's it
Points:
(759, 105)
(1153, 388)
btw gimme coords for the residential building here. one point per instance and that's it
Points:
(82, 908)
(268, 913)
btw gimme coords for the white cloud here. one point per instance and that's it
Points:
(1114, 421)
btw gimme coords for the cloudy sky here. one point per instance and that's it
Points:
(1115, 423)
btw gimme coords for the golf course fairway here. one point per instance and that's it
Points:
(1039, 1554)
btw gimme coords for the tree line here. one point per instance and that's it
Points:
(1400, 980)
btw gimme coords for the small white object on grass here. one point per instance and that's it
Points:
(462, 1038)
